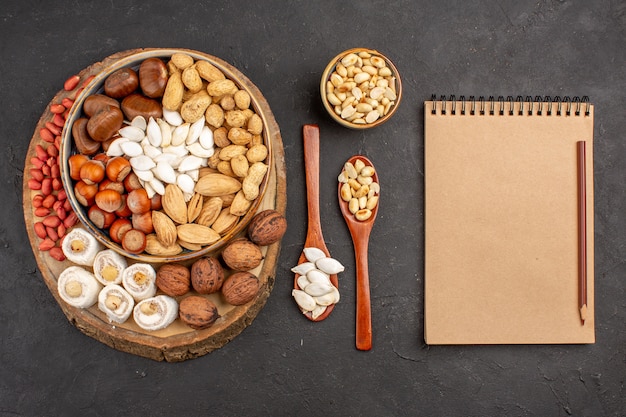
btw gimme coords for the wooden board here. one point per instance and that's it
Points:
(177, 342)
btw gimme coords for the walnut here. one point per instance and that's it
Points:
(240, 288)
(198, 312)
(173, 279)
(267, 227)
(242, 255)
(207, 275)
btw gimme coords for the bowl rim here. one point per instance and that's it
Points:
(330, 68)
(133, 59)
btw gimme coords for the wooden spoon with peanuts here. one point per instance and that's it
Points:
(360, 228)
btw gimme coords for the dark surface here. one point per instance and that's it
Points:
(283, 364)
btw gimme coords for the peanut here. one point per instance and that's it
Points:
(251, 182)
(358, 189)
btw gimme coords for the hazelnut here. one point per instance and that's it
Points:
(240, 288)
(198, 312)
(242, 255)
(173, 279)
(92, 172)
(134, 241)
(108, 200)
(117, 168)
(207, 275)
(118, 228)
(267, 227)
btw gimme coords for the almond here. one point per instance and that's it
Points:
(197, 233)
(155, 247)
(225, 221)
(174, 205)
(194, 207)
(210, 210)
(164, 228)
(216, 185)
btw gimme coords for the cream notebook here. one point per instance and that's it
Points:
(506, 236)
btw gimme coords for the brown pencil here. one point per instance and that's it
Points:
(582, 231)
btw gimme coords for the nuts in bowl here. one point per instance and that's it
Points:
(361, 88)
(166, 154)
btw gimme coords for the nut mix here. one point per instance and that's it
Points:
(148, 209)
(180, 133)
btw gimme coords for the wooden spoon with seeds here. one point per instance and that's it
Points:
(314, 237)
(360, 232)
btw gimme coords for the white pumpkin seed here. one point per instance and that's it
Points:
(316, 289)
(313, 254)
(166, 133)
(157, 186)
(133, 133)
(179, 135)
(304, 300)
(165, 173)
(302, 282)
(149, 190)
(317, 276)
(194, 174)
(176, 150)
(318, 311)
(329, 298)
(142, 163)
(206, 138)
(166, 157)
(329, 265)
(185, 183)
(151, 151)
(190, 162)
(145, 176)
(194, 131)
(303, 268)
(131, 148)
(153, 132)
(115, 148)
(200, 151)
(172, 117)
(139, 122)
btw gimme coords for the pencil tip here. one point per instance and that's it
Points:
(583, 313)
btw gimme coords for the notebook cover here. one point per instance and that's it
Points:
(501, 231)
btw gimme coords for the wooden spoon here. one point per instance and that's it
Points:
(360, 232)
(314, 237)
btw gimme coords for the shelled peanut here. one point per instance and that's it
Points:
(362, 88)
(359, 188)
(49, 200)
(189, 137)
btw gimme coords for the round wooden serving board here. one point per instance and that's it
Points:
(177, 342)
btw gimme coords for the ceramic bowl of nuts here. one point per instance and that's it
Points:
(361, 88)
(166, 154)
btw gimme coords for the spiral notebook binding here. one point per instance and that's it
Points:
(537, 105)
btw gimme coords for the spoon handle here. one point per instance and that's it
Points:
(363, 304)
(311, 136)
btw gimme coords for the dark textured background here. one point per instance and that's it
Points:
(283, 364)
